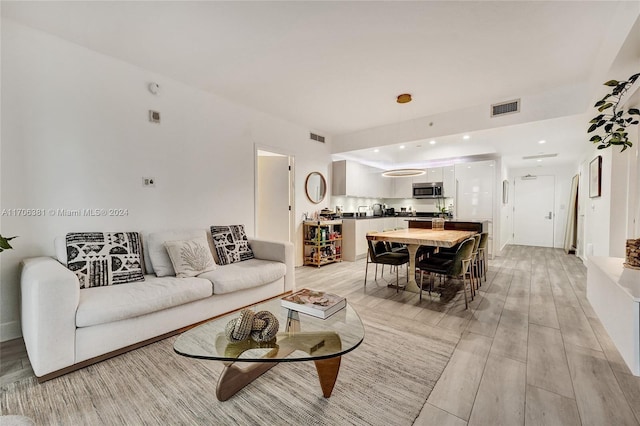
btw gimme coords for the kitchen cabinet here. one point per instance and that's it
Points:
(345, 178)
(475, 184)
(433, 174)
(402, 187)
(448, 182)
(354, 236)
(358, 180)
(402, 222)
(322, 242)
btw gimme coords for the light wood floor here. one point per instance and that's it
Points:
(530, 350)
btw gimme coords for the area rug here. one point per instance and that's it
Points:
(385, 381)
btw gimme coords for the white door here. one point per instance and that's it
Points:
(273, 206)
(533, 208)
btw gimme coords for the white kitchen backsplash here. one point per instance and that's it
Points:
(351, 204)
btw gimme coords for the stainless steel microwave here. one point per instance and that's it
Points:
(427, 190)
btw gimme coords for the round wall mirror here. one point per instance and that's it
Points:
(316, 187)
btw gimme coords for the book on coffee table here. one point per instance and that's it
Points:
(316, 303)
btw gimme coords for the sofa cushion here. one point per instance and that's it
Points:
(231, 244)
(99, 305)
(160, 260)
(243, 275)
(190, 257)
(105, 258)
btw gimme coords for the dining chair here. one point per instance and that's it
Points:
(482, 255)
(396, 247)
(474, 263)
(450, 253)
(457, 267)
(379, 254)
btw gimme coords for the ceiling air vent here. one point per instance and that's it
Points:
(315, 137)
(503, 108)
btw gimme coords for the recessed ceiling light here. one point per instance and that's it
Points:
(401, 146)
(539, 160)
(468, 167)
(376, 150)
(542, 141)
(465, 137)
(432, 142)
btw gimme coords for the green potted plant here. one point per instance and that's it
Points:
(441, 206)
(614, 120)
(4, 243)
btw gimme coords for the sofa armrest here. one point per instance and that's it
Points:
(278, 251)
(50, 296)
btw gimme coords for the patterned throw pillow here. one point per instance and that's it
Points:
(191, 257)
(231, 244)
(105, 258)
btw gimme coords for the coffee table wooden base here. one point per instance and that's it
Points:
(328, 373)
(234, 378)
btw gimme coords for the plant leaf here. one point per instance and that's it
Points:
(605, 106)
(597, 104)
(633, 78)
(608, 127)
(611, 83)
(595, 139)
(4, 243)
(634, 111)
(602, 146)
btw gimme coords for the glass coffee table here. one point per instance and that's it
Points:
(301, 337)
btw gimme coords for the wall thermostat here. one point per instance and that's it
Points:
(154, 88)
(154, 116)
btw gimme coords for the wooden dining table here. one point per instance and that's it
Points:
(416, 237)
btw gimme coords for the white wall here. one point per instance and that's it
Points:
(562, 192)
(75, 134)
(613, 217)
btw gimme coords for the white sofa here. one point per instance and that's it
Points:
(66, 328)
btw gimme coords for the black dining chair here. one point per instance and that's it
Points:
(458, 266)
(379, 255)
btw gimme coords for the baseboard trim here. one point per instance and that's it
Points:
(10, 330)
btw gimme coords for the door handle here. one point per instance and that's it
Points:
(549, 216)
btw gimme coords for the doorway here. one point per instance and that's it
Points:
(533, 210)
(274, 196)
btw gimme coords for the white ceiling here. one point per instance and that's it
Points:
(511, 143)
(337, 67)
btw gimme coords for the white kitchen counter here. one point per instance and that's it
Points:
(614, 294)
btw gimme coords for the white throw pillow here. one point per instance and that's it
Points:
(158, 253)
(190, 257)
